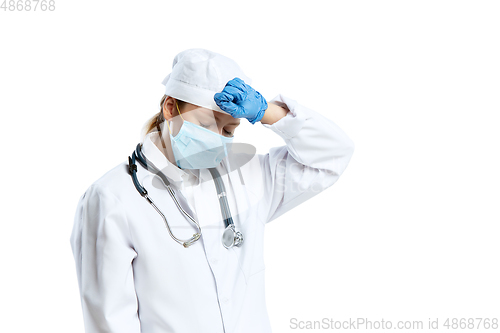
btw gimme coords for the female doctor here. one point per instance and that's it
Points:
(171, 240)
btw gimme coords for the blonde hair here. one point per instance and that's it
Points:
(155, 121)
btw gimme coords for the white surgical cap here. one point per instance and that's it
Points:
(197, 74)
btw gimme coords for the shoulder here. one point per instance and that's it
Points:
(114, 177)
(112, 183)
(102, 202)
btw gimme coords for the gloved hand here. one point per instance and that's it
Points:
(241, 101)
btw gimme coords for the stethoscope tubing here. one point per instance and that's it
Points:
(221, 194)
(149, 166)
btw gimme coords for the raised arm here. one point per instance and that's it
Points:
(316, 153)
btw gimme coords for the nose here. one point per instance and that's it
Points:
(220, 128)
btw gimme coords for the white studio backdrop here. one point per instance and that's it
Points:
(410, 230)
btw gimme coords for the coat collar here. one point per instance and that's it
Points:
(174, 174)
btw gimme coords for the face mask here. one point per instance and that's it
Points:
(196, 147)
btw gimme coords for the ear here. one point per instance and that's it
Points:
(169, 109)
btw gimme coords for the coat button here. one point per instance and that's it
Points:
(225, 299)
(215, 261)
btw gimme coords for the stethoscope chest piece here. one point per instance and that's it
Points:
(231, 237)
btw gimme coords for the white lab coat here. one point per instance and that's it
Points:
(133, 277)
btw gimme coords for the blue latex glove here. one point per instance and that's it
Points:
(241, 101)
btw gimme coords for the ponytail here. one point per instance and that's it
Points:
(155, 121)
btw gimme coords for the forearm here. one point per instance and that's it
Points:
(273, 114)
(313, 139)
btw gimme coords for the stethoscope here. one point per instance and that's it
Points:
(230, 237)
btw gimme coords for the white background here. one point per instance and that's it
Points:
(409, 232)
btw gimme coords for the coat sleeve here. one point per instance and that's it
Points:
(102, 248)
(316, 153)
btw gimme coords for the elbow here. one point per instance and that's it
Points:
(340, 161)
(349, 149)
(347, 152)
